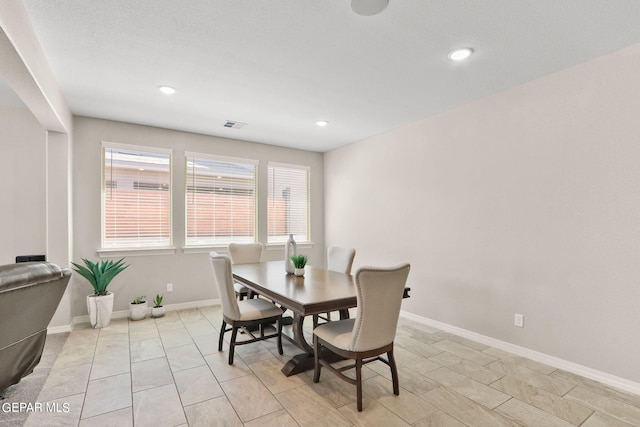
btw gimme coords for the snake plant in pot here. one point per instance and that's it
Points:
(158, 309)
(100, 274)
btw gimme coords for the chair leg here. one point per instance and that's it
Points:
(316, 359)
(222, 330)
(359, 383)
(394, 372)
(232, 346)
(279, 325)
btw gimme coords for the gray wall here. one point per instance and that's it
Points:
(524, 202)
(189, 272)
(23, 183)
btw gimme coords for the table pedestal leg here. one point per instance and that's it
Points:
(298, 334)
(305, 361)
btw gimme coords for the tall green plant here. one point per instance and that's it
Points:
(100, 274)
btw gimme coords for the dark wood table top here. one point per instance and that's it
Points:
(318, 291)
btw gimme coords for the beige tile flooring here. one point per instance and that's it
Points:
(168, 372)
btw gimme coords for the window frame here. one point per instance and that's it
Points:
(226, 159)
(142, 249)
(307, 169)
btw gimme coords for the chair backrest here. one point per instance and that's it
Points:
(223, 278)
(340, 259)
(245, 253)
(379, 293)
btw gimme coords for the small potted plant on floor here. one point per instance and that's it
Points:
(158, 309)
(138, 308)
(299, 262)
(100, 274)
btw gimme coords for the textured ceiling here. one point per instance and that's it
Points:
(281, 65)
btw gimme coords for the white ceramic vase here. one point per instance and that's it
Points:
(137, 311)
(299, 272)
(100, 308)
(289, 251)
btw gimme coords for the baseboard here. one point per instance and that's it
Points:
(584, 371)
(59, 329)
(121, 314)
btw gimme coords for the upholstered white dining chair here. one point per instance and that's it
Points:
(371, 333)
(242, 314)
(244, 253)
(340, 260)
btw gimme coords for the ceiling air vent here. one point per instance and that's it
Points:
(233, 125)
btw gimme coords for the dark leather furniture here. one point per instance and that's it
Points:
(29, 296)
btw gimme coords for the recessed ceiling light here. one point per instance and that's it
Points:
(368, 7)
(167, 90)
(460, 54)
(322, 123)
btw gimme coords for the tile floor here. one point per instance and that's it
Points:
(168, 372)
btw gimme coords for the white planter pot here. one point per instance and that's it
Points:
(100, 308)
(157, 311)
(299, 272)
(137, 311)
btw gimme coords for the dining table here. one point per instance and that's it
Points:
(318, 291)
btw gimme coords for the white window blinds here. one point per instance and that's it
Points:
(288, 203)
(136, 196)
(220, 200)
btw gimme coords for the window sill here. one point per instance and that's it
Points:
(280, 246)
(204, 249)
(119, 252)
(222, 249)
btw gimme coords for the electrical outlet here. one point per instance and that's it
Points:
(169, 287)
(519, 320)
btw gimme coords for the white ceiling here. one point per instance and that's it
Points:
(281, 65)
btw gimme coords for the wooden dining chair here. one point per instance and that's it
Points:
(242, 314)
(340, 260)
(244, 253)
(372, 332)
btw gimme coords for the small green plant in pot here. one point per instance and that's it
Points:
(138, 308)
(158, 309)
(99, 275)
(299, 262)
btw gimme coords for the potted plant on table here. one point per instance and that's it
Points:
(100, 275)
(299, 262)
(138, 308)
(158, 309)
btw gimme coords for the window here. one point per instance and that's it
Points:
(220, 199)
(288, 203)
(136, 197)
